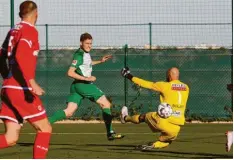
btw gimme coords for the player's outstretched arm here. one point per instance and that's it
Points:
(104, 59)
(125, 72)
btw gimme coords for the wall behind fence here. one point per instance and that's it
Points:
(206, 72)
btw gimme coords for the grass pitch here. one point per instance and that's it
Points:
(75, 141)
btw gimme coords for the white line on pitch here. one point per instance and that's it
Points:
(86, 133)
(122, 133)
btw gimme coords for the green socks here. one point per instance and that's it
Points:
(106, 113)
(59, 115)
(107, 117)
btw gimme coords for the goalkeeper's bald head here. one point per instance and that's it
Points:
(173, 74)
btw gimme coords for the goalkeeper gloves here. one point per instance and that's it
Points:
(125, 72)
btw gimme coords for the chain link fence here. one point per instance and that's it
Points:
(206, 71)
(195, 36)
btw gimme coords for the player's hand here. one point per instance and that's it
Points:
(36, 89)
(125, 72)
(91, 79)
(106, 58)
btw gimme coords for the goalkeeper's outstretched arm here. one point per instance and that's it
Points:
(143, 83)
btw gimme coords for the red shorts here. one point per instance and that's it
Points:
(19, 105)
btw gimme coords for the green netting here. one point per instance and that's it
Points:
(206, 72)
(140, 24)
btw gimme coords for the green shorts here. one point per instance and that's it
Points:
(79, 91)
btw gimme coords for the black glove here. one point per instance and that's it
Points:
(28, 96)
(125, 72)
(230, 87)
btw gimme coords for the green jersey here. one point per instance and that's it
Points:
(83, 89)
(82, 62)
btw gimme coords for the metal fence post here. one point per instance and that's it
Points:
(150, 35)
(150, 61)
(12, 13)
(125, 79)
(47, 62)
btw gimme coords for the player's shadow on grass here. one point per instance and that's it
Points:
(77, 145)
(131, 148)
(195, 154)
(189, 141)
(51, 144)
(111, 145)
(25, 144)
(118, 151)
(200, 138)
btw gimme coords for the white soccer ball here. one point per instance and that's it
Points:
(164, 110)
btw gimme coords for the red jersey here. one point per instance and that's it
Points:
(22, 51)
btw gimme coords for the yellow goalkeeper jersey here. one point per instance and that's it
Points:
(174, 93)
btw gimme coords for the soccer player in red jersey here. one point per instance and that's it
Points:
(20, 92)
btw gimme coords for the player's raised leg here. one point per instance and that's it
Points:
(63, 114)
(73, 101)
(136, 119)
(11, 135)
(107, 117)
(229, 140)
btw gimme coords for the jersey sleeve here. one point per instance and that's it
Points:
(3, 56)
(143, 83)
(188, 88)
(159, 86)
(77, 60)
(3, 64)
(3, 48)
(5, 43)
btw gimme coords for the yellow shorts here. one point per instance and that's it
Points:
(168, 130)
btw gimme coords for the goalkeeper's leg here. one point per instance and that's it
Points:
(165, 139)
(168, 131)
(136, 119)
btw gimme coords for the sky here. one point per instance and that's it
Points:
(120, 22)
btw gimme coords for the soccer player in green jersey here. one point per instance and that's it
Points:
(83, 87)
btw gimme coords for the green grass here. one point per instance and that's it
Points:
(89, 141)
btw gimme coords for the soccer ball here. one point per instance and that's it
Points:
(164, 110)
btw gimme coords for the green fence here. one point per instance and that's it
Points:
(206, 72)
(148, 26)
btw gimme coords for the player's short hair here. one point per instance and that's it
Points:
(85, 36)
(26, 7)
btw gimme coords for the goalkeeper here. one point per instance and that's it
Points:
(173, 92)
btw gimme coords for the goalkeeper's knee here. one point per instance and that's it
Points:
(142, 118)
